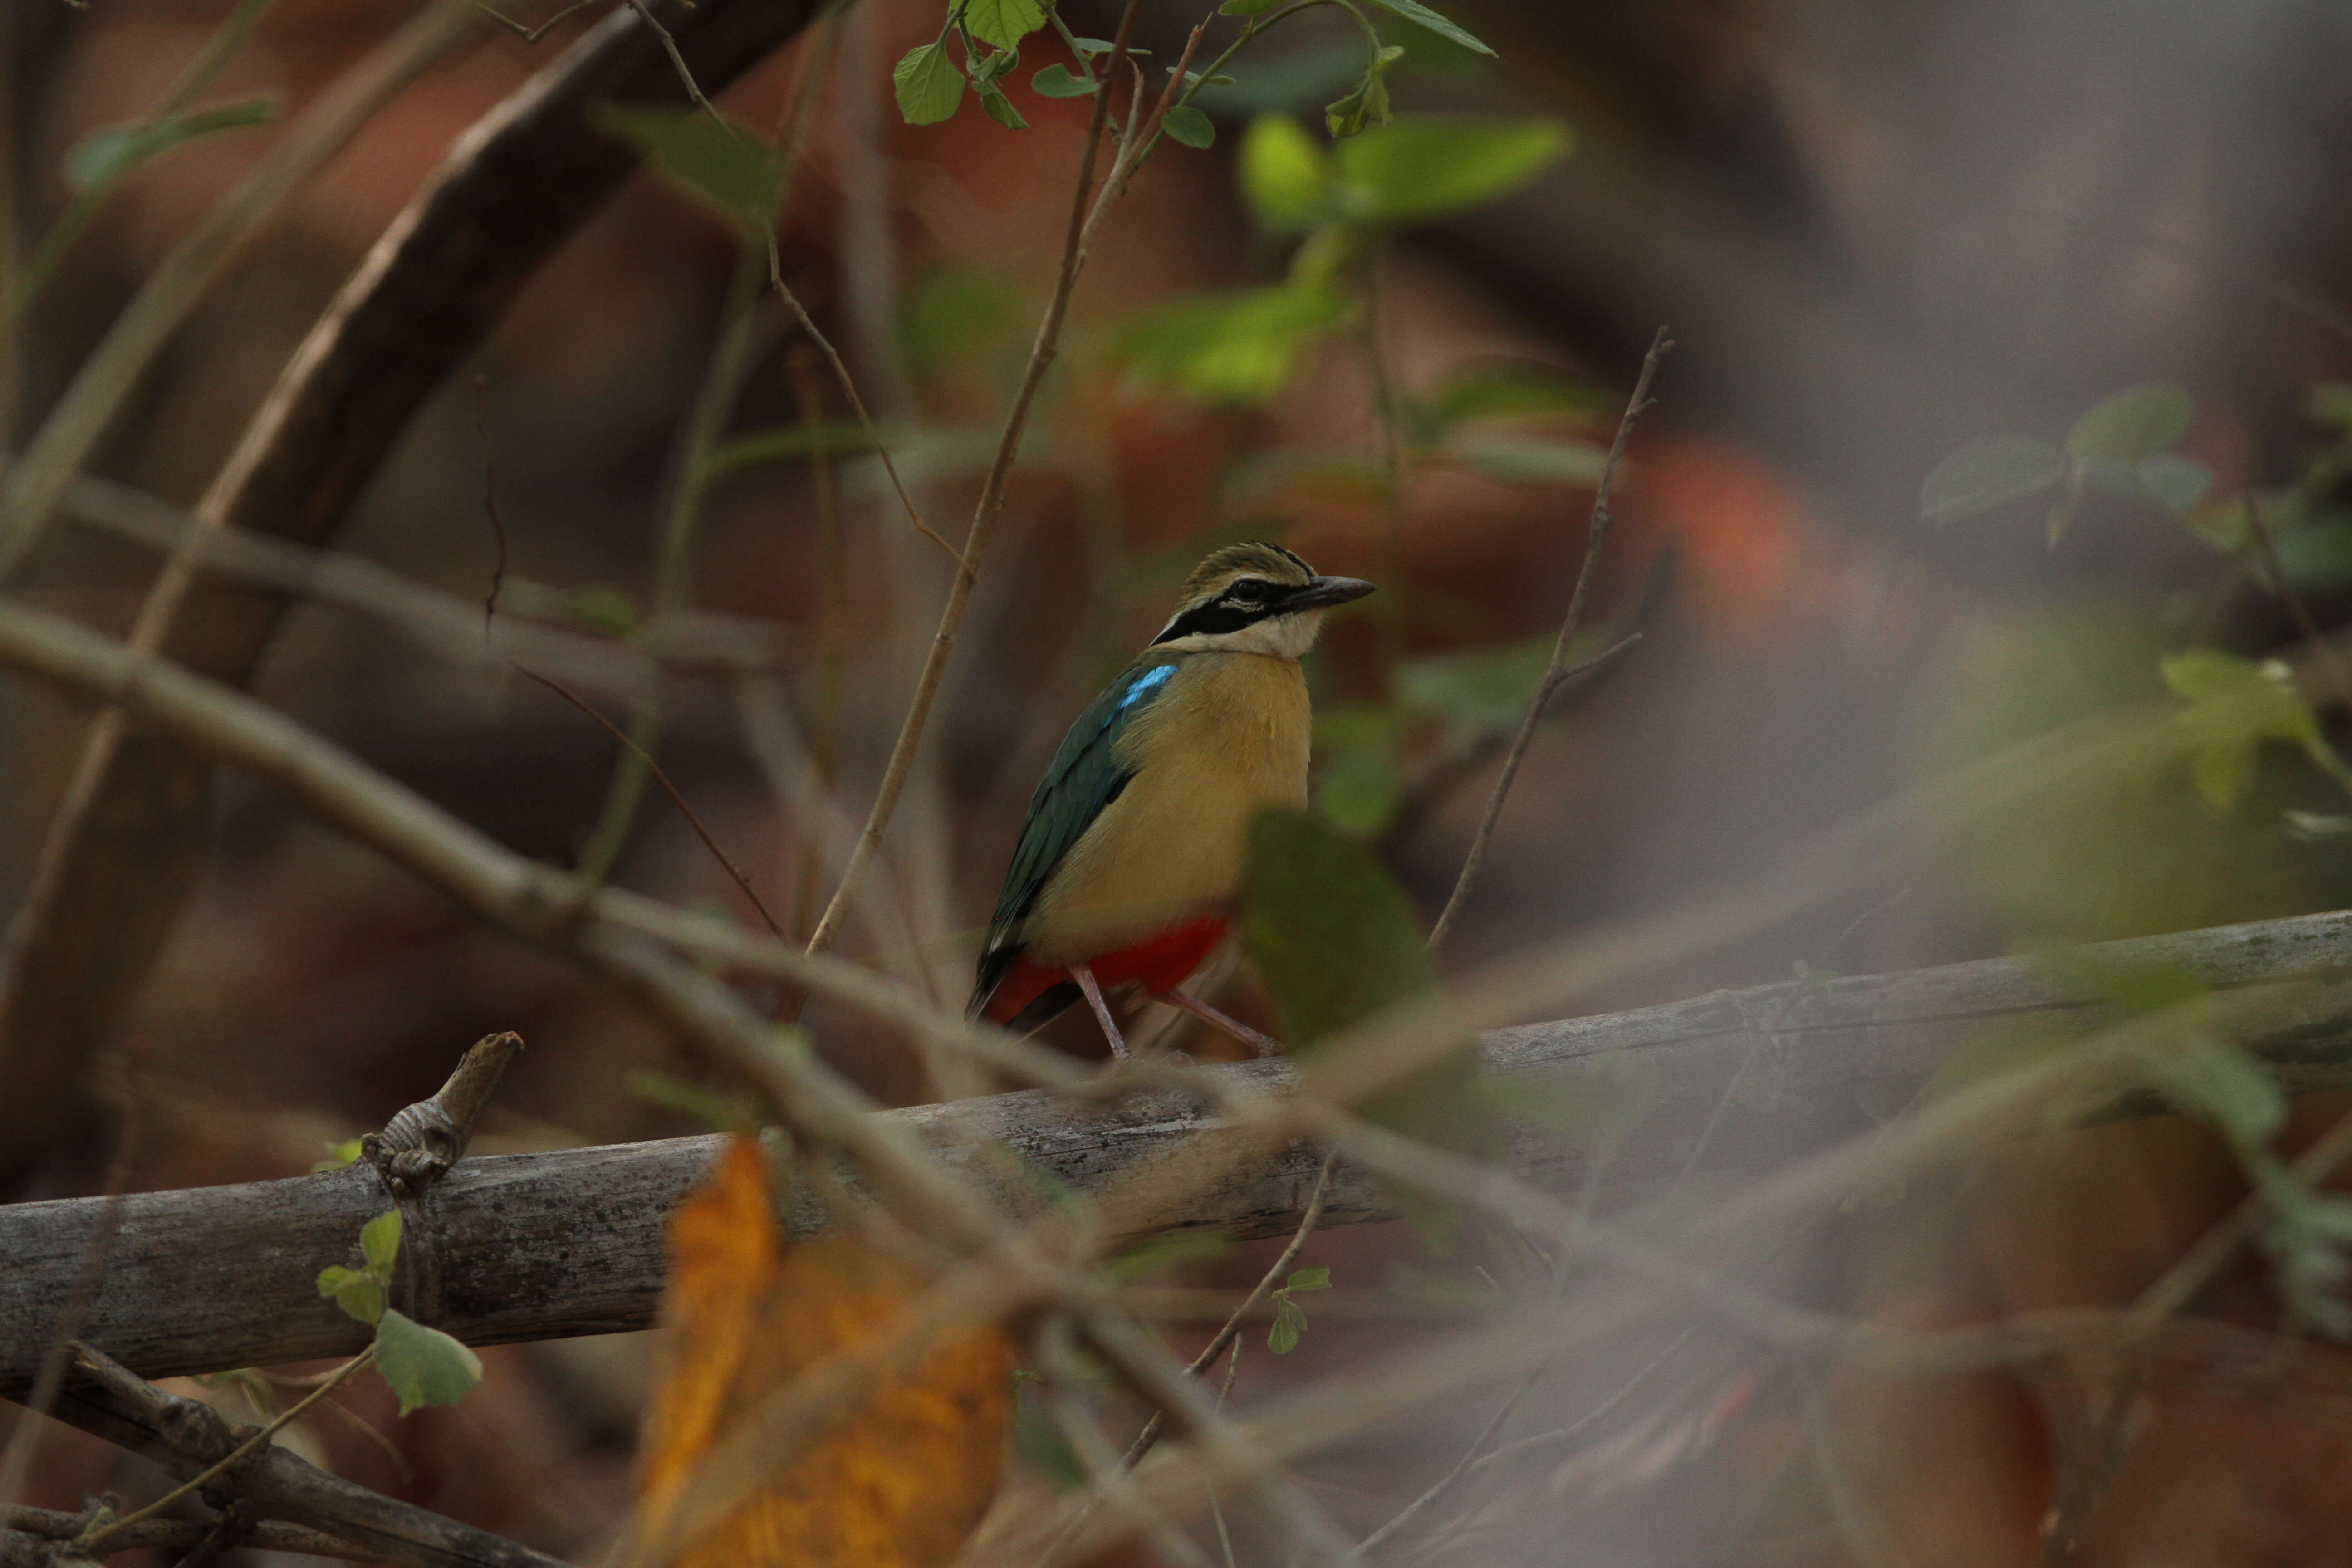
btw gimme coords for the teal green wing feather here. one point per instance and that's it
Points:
(1084, 776)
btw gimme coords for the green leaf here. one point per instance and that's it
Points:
(788, 444)
(1356, 783)
(1000, 108)
(1315, 1279)
(930, 87)
(1413, 170)
(1247, 7)
(1503, 389)
(2227, 1087)
(720, 1113)
(1234, 348)
(1336, 940)
(1285, 176)
(2134, 990)
(1481, 692)
(357, 1293)
(1002, 23)
(1165, 1252)
(2136, 424)
(1444, 28)
(2222, 772)
(602, 607)
(423, 1366)
(2222, 525)
(1333, 935)
(2318, 555)
(1368, 105)
(338, 1156)
(2173, 482)
(1988, 474)
(1536, 462)
(1055, 82)
(1187, 124)
(380, 1244)
(108, 153)
(993, 64)
(1289, 1323)
(720, 163)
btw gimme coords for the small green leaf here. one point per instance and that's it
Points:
(1285, 176)
(1535, 462)
(338, 1156)
(2222, 772)
(1368, 105)
(1002, 23)
(1055, 82)
(602, 607)
(2136, 424)
(1187, 124)
(1289, 1323)
(1234, 348)
(930, 87)
(2222, 525)
(1336, 940)
(1093, 47)
(789, 444)
(1247, 7)
(1444, 28)
(358, 1294)
(1502, 389)
(1315, 1279)
(993, 64)
(721, 163)
(1000, 108)
(1165, 1252)
(1481, 693)
(2317, 555)
(720, 1113)
(1413, 170)
(2228, 1087)
(380, 1244)
(2134, 990)
(2173, 482)
(1988, 474)
(108, 153)
(423, 1366)
(1356, 783)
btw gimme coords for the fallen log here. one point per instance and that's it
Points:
(551, 1245)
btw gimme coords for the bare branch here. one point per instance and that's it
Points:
(1042, 353)
(1596, 535)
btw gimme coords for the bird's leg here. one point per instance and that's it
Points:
(1261, 1044)
(1086, 979)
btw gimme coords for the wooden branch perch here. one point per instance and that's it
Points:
(514, 190)
(549, 1245)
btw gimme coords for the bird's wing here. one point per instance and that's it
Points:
(1084, 776)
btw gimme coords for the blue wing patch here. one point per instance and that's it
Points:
(1084, 776)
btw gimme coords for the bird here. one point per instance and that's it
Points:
(1129, 864)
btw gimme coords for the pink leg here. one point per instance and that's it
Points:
(1086, 979)
(1222, 1024)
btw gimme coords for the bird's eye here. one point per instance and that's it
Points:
(1249, 591)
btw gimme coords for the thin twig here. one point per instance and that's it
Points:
(2297, 611)
(1042, 353)
(678, 798)
(677, 61)
(490, 502)
(1596, 535)
(530, 34)
(95, 1543)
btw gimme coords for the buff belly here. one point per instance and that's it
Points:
(1229, 738)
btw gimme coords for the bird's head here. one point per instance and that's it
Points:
(1254, 598)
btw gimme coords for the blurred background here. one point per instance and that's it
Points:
(1881, 233)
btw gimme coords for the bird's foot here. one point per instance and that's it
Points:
(1263, 1045)
(1086, 979)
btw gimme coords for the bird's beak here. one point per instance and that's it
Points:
(1324, 592)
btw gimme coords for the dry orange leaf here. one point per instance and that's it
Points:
(901, 1481)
